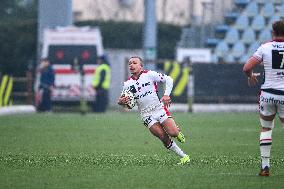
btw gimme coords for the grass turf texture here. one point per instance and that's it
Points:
(115, 150)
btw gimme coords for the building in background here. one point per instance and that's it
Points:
(178, 12)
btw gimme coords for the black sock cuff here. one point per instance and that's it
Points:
(170, 145)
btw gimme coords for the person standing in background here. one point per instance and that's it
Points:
(101, 84)
(46, 86)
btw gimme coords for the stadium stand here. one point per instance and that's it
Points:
(241, 3)
(268, 10)
(232, 36)
(261, 1)
(253, 46)
(229, 58)
(258, 23)
(243, 58)
(277, 1)
(242, 22)
(222, 49)
(265, 35)
(281, 10)
(251, 9)
(246, 25)
(239, 38)
(248, 36)
(273, 19)
(238, 50)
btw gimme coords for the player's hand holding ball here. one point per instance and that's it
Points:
(127, 99)
(123, 100)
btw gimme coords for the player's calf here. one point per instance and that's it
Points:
(265, 142)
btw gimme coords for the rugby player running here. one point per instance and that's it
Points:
(154, 111)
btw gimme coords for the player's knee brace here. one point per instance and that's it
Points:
(266, 124)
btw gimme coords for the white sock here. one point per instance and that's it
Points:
(174, 147)
(265, 147)
(264, 160)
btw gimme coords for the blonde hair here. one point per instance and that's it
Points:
(141, 60)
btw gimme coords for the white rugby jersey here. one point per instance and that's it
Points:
(272, 56)
(145, 89)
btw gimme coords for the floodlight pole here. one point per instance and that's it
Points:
(150, 34)
(52, 13)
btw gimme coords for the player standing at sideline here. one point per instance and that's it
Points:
(154, 112)
(271, 100)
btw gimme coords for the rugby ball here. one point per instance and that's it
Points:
(132, 101)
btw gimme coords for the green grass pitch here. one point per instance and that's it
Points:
(114, 150)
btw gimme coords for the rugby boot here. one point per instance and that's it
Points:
(184, 160)
(264, 172)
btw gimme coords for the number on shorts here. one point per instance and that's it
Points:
(147, 121)
(277, 59)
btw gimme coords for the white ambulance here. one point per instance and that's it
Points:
(70, 49)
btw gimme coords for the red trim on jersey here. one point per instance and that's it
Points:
(259, 93)
(274, 40)
(156, 87)
(143, 71)
(257, 58)
(167, 111)
(278, 40)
